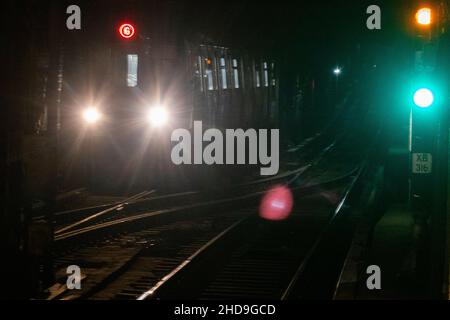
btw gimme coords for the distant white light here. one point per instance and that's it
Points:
(337, 71)
(91, 115)
(158, 116)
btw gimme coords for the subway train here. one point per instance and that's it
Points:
(139, 81)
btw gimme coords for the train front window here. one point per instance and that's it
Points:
(132, 70)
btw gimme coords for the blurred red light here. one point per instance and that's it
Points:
(277, 203)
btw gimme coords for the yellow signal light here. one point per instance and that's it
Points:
(423, 16)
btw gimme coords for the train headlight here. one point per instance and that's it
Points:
(158, 116)
(91, 115)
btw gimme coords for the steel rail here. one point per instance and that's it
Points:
(77, 232)
(313, 249)
(115, 207)
(182, 266)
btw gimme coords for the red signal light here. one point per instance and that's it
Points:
(127, 31)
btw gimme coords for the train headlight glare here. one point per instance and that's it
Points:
(158, 116)
(91, 115)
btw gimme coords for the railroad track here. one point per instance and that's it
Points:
(66, 220)
(244, 259)
(124, 237)
(155, 253)
(124, 218)
(145, 200)
(132, 238)
(137, 207)
(252, 259)
(155, 249)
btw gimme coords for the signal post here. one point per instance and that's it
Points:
(428, 145)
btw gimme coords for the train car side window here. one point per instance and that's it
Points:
(199, 72)
(235, 68)
(266, 74)
(223, 73)
(209, 74)
(257, 75)
(132, 70)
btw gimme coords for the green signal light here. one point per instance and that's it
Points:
(423, 98)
